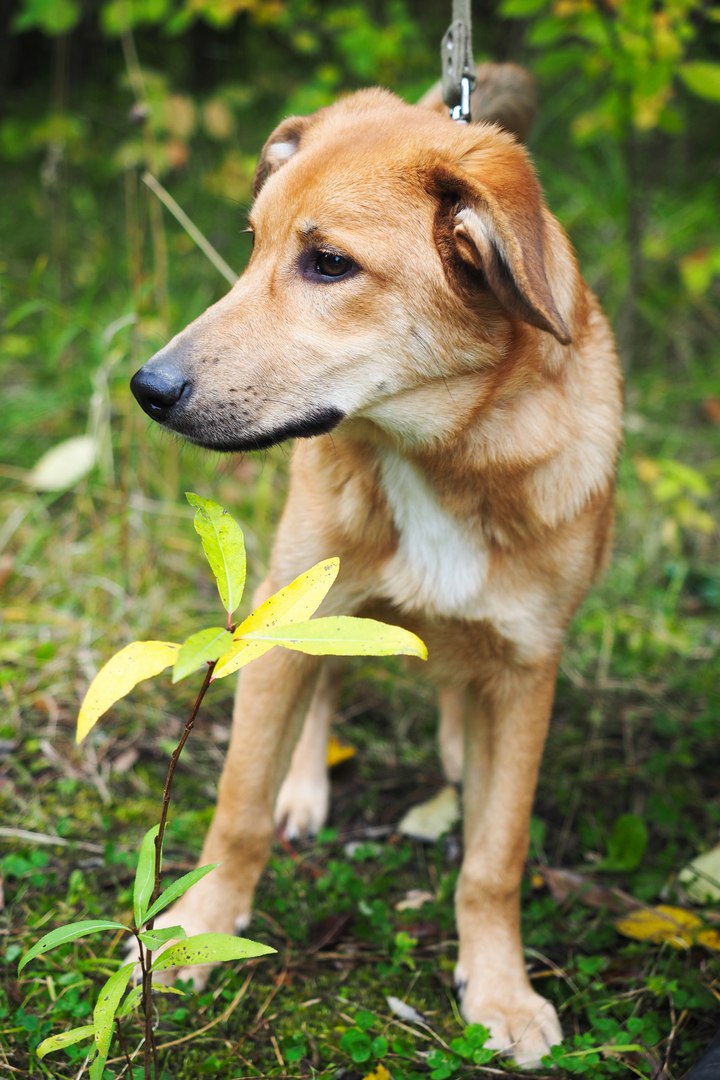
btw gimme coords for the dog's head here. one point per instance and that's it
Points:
(393, 250)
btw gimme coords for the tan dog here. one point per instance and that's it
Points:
(409, 291)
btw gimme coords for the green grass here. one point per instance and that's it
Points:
(634, 732)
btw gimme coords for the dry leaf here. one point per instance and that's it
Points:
(403, 1011)
(701, 877)
(566, 884)
(672, 925)
(414, 900)
(429, 820)
(62, 466)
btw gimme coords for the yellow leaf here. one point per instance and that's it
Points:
(647, 469)
(295, 603)
(137, 661)
(672, 925)
(338, 752)
(343, 635)
(380, 1073)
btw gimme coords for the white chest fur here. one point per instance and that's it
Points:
(440, 565)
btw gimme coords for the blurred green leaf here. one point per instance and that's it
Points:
(703, 78)
(626, 845)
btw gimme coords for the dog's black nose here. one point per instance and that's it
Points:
(158, 390)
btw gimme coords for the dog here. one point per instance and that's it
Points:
(414, 316)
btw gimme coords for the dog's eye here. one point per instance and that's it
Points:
(329, 264)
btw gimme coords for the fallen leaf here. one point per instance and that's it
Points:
(337, 752)
(414, 900)
(403, 1011)
(711, 408)
(430, 819)
(675, 926)
(62, 466)
(567, 884)
(701, 877)
(380, 1073)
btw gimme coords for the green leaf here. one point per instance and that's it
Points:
(134, 997)
(107, 1005)
(626, 845)
(137, 661)
(144, 876)
(176, 889)
(51, 16)
(199, 649)
(153, 939)
(344, 635)
(96, 1070)
(209, 949)
(224, 548)
(357, 1044)
(294, 603)
(521, 9)
(703, 78)
(65, 1038)
(65, 934)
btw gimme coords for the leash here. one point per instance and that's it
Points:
(458, 68)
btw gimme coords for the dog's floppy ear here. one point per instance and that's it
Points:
(279, 148)
(497, 228)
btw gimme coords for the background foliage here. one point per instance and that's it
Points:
(95, 275)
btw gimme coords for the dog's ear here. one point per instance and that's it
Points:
(495, 226)
(279, 148)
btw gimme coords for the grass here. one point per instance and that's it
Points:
(634, 731)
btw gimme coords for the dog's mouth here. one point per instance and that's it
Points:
(319, 421)
(169, 397)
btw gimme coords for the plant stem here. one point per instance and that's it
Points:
(169, 779)
(150, 1058)
(123, 1046)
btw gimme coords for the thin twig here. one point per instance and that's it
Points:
(218, 1019)
(123, 1046)
(190, 228)
(150, 1055)
(169, 779)
(48, 839)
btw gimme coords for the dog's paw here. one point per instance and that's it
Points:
(302, 805)
(523, 1026)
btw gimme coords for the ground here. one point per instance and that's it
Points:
(628, 793)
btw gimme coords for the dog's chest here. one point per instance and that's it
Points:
(440, 564)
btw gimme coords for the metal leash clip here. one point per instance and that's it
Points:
(458, 68)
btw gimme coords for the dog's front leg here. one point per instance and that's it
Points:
(505, 732)
(269, 703)
(303, 802)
